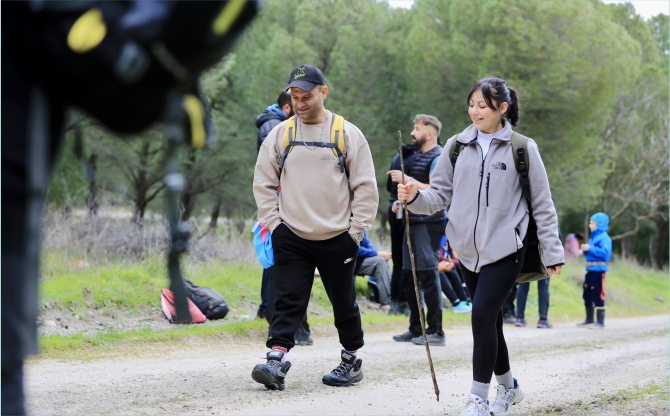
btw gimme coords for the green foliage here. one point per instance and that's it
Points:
(581, 68)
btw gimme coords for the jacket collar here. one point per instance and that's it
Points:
(469, 135)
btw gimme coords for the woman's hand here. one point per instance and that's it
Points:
(406, 192)
(554, 270)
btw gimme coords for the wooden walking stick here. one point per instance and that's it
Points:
(416, 283)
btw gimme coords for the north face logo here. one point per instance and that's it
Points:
(500, 166)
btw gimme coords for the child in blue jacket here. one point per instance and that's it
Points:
(598, 252)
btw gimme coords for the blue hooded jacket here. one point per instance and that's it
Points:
(266, 121)
(600, 243)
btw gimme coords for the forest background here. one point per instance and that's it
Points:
(592, 77)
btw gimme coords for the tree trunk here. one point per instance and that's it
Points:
(627, 250)
(188, 196)
(92, 199)
(140, 186)
(383, 216)
(659, 243)
(187, 205)
(214, 216)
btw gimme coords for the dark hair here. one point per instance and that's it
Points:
(283, 99)
(494, 91)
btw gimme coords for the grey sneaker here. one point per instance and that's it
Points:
(304, 342)
(272, 373)
(433, 340)
(506, 398)
(404, 337)
(348, 372)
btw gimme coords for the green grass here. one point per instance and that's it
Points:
(630, 291)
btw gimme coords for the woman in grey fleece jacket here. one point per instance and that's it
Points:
(488, 222)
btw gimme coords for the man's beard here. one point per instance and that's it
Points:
(418, 142)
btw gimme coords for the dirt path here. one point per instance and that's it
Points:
(565, 370)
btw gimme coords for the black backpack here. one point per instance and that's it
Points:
(210, 302)
(533, 267)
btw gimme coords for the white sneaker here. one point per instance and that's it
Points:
(506, 398)
(475, 406)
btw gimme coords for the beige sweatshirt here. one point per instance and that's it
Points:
(316, 201)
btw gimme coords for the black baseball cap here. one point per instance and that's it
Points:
(305, 77)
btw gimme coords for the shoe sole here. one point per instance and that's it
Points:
(402, 339)
(592, 326)
(432, 344)
(332, 383)
(304, 343)
(260, 375)
(463, 311)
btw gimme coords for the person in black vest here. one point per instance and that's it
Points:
(399, 304)
(425, 232)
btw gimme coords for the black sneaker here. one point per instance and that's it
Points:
(348, 372)
(405, 337)
(272, 373)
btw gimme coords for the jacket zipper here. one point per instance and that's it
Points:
(488, 178)
(479, 196)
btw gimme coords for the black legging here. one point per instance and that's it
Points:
(397, 227)
(488, 290)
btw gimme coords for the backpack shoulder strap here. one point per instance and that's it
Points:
(337, 139)
(520, 153)
(455, 150)
(288, 141)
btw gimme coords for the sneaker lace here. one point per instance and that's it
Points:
(342, 369)
(475, 406)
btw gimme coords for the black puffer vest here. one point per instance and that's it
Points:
(420, 171)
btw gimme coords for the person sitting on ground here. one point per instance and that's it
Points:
(450, 279)
(373, 262)
(597, 252)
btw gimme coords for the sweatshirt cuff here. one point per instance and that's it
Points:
(558, 264)
(354, 230)
(415, 197)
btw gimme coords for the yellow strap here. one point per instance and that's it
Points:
(338, 132)
(290, 124)
(227, 17)
(196, 115)
(87, 32)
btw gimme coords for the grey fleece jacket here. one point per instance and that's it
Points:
(487, 208)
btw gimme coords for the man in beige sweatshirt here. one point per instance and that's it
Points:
(316, 206)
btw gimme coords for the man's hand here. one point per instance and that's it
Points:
(385, 254)
(394, 207)
(406, 192)
(555, 270)
(585, 247)
(396, 176)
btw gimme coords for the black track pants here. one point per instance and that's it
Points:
(488, 290)
(295, 260)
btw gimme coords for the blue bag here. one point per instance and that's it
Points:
(263, 245)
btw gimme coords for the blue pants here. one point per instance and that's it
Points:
(594, 289)
(542, 295)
